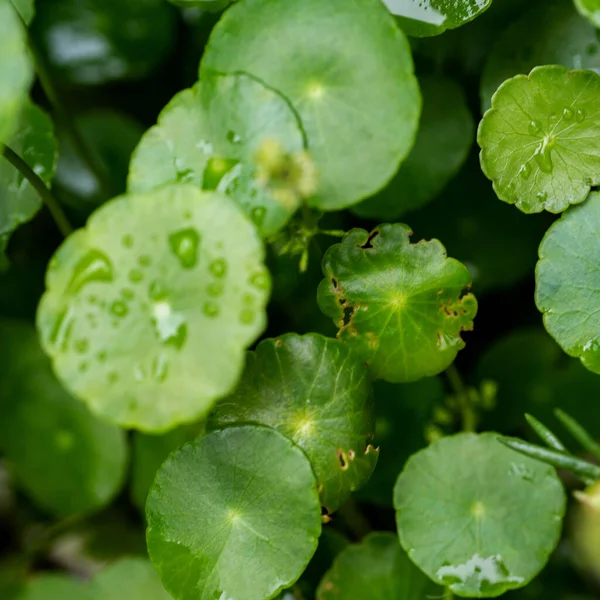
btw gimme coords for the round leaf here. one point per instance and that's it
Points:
(34, 142)
(68, 461)
(401, 306)
(16, 73)
(236, 514)
(149, 328)
(422, 18)
(377, 569)
(357, 132)
(541, 153)
(590, 9)
(315, 391)
(568, 282)
(443, 141)
(212, 135)
(97, 41)
(476, 516)
(551, 33)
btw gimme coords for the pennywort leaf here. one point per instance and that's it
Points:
(590, 9)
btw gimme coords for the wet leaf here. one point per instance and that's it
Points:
(443, 141)
(543, 155)
(64, 458)
(590, 9)
(377, 569)
(149, 329)
(400, 306)
(315, 391)
(476, 516)
(568, 282)
(422, 18)
(235, 514)
(357, 134)
(34, 142)
(215, 135)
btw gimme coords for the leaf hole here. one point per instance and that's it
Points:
(348, 314)
(369, 243)
(343, 459)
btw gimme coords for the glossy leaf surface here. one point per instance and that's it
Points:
(400, 306)
(357, 134)
(149, 329)
(590, 9)
(315, 391)
(213, 135)
(540, 154)
(63, 457)
(476, 516)
(235, 514)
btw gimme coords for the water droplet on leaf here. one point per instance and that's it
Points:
(119, 308)
(218, 267)
(568, 114)
(170, 326)
(184, 244)
(94, 266)
(210, 309)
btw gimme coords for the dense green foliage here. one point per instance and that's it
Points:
(298, 299)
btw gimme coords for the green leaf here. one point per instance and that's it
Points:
(68, 461)
(403, 414)
(401, 306)
(590, 9)
(423, 18)
(551, 33)
(236, 514)
(315, 391)
(148, 454)
(34, 142)
(53, 587)
(358, 102)
(568, 282)
(476, 516)
(16, 73)
(130, 578)
(149, 308)
(443, 141)
(214, 135)
(26, 8)
(377, 569)
(538, 152)
(92, 42)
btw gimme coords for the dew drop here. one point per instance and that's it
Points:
(534, 128)
(135, 276)
(157, 290)
(258, 214)
(101, 356)
(248, 299)
(210, 309)
(521, 471)
(144, 260)
(553, 119)
(247, 316)
(218, 267)
(127, 293)
(588, 181)
(92, 299)
(94, 266)
(568, 114)
(542, 196)
(160, 368)
(525, 170)
(184, 244)
(260, 280)
(214, 289)
(185, 175)
(215, 171)
(170, 326)
(81, 346)
(127, 241)
(119, 308)
(233, 137)
(580, 116)
(61, 330)
(543, 155)
(83, 367)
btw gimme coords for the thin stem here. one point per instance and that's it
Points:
(469, 418)
(545, 434)
(448, 595)
(578, 432)
(40, 187)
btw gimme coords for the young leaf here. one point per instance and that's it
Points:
(377, 569)
(235, 514)
(476, 516)
(358, 102)
(34, 142)
(541, 154)
(590, 9)
(148, 309)
(423, 18)
(64, 458)
(443, 141)
(16, 73)
(401, 306)
(568, 282)
(551, 33)
(315, 391)
(214, 135)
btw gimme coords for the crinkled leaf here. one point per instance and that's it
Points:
(443, 141)
(476, 516)
(34, 142)
(357, 132)
(149, 329)
(551, 33)
(315, 391)
(16, 73)
(68, 461)
(422, 18)
(401, 306)
(213, 135)
(590, 9)
(377, 569)
(236, 514)
(540, 140)
(568, 282)
(93, 42)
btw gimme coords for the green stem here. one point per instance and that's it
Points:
(40, 187)
(448, 595)
(469, 417)
(578, 432)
